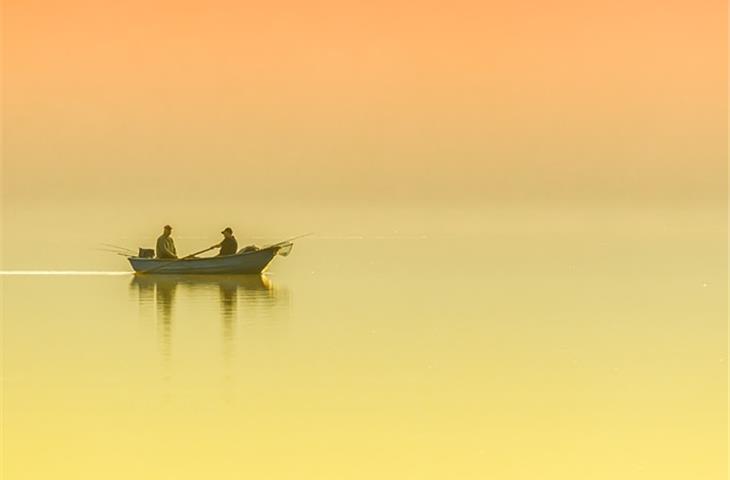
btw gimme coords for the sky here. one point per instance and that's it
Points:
(561, 101)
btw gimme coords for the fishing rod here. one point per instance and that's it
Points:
(116, 252)
(117, 247)
(289, 240)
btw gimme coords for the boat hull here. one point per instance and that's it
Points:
(240, 263)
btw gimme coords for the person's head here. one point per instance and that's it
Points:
(227, 232)
(167, 229)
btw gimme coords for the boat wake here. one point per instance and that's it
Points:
(60, 272)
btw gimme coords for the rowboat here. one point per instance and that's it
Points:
(243, 262)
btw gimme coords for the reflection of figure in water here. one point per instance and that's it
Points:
(164, 298)
(252, 289)
(229, 307)
(229, 299)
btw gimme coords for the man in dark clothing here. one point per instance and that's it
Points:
(165, 244)
(229, 245)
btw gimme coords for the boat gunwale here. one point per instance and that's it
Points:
(198, 259)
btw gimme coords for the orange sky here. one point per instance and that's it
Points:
(337, 99)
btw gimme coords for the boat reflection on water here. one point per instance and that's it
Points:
(237, 298)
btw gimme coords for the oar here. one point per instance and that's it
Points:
(178, 259)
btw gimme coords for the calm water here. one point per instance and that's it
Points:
(554, 345)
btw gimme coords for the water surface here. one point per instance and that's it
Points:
(549, 345)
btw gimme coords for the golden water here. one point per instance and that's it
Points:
(516, 344)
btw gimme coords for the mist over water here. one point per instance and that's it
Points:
(402, 343)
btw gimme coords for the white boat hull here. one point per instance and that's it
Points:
(240, 263)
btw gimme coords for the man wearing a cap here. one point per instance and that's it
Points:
(229, 245)
(165, 244)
